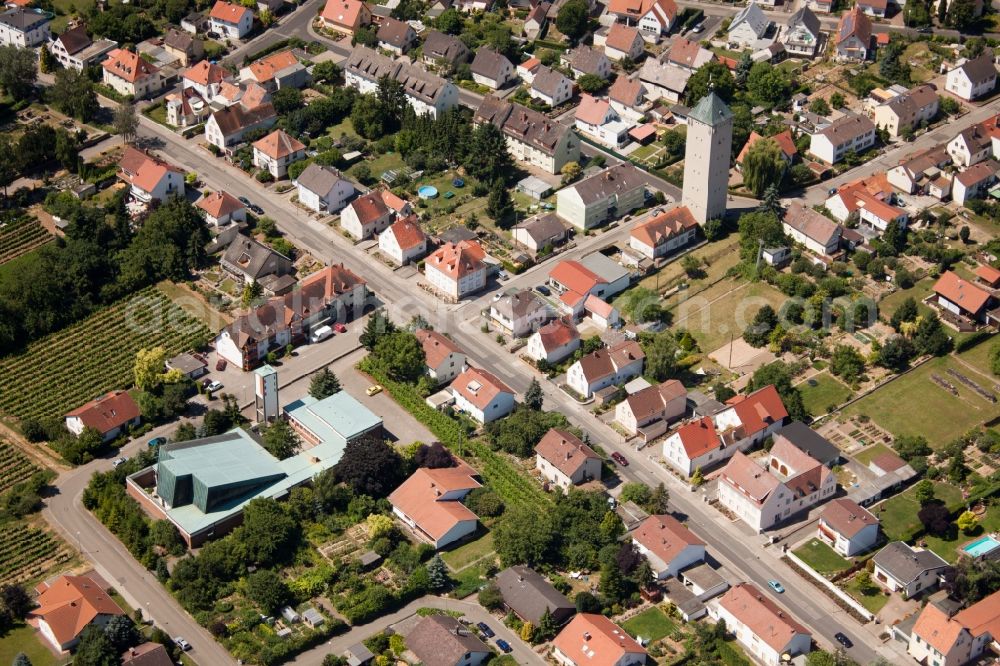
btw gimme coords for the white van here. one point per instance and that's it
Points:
(320, 334)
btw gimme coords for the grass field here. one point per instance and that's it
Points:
(25, 639)
(873, 602)
(899, 514)
(12, 266)
(721, 256)
(823, 391)
(66, 369)
(919, 291)
(896, 406)
(469, 552)
(947, 548)
(723, 309)
(866, 455)
(821, 557)
(468, 581)
(652, 624)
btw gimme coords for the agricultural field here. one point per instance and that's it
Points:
(27, 553)
(65, 369)
(14, 466)
(20, 236)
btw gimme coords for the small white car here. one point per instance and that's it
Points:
(214, 386)
(119, 461)
(182, 644)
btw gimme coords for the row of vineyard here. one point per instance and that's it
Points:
(95, 355)
(14, 466)
(21, 236)
(27, 553)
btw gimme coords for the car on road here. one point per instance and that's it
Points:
(182, 644)
(157, 441)
(374, 389)
(844, 640)
(504, 646)
(620, 459)
(119, 461)
(925, 30)
(340, 328)
(698, 28)
(832, 191)
(776, 586)
(212, 386)
(245, 202)
(543, 290)
(485, 628)
(257, 210)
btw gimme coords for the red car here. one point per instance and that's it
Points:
(620, 459)
(339, 328)
(220, 365)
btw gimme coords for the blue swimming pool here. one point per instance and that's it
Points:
(427, 191)
(980, 546)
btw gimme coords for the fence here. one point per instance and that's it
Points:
(843, 596)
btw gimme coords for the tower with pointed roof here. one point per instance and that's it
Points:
(706, 158)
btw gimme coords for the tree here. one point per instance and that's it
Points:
(450, 22)
(779, 375)
(756, 228)
(661, 356)
(924, 492)
(73, 94)
(820, 107)
(323, 384)
(613, 586)
(499, 205)
(572, 19)
(967, 522)
(17, 72)
(438, 573)
(743, 68)
(714, 74)
(268, 533)
(433, 456)
(488, 159)
(995, 358)
(962, 14)
(546, 625)
(122, 633)
(47, 62)
(836, 100)
(522, 536)
(490, 597)
(95, 649)
(148, 369)
(640, 305)
(768, 85)
(697, 478)
(15, 600)
(907, 311)
(280, 439)
(934, 518)
(586, 602)
(22, 659)
(533, 397)
(265, 588)
(370, 466)
(759, 331)
(377, 326)
(865, 584)
(895, 354)
(570, 172)
(930, 336)
(591, 83)
(126, 121)
(847, 362)
(948, 105)
(401, 356)
(763, 166)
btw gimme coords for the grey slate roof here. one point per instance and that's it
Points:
(529, 595)
(441, 640)
(319, 179)
(711, 110)
(75, 39)
(417, 82)
(24, 20)
(547, 80)
(248, 255)
(613, 180)
(980, 69)
(586, 59)
(906, 564)
(519, 304)
(811, 442)
(807, 18)
(542, 228)
(489, 63)
(396, 33)
(439, 46)
(522, 123)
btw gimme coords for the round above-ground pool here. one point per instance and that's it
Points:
(427, 191)
(458, 182)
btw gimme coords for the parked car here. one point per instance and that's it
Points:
(119, 461)
(844, 640)
(157, 441)
(320, 333)
(257, 210)
(374, 389)
(485, 628)
(776, 586)
(245, 202)
(340, 328)
(220, 365)
(213, 386)
(620, 459)
(182, 644)
(503, 276)
(543, 290)
(504, 646)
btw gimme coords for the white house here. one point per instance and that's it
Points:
(853, 38)
(426, 93)
(129, 74)
(227, 126)
(606, 367)
(762, 627)
(553, 342)
(481, 395)
(974, 182)
(520, 313)
(668, 545)
(221, 208)
(532, 137)
(151, 179)
(748, 26)
(323, 189)
(205, 78)
(445, 360)
(616, 191)
(111, 414)
(819, 234)
(653, 17)
(664, 233)
(24, 28)
(849, 528)
(651, 409)
(628, 98)
(70, 604)
(491, 68)
(457, 269)
(367, 216)
(871, 198)
(539, 231)
(973, 78)
(74, 49)
(550, 86)
(943, 639)
(594, 275)
(763, 497)
(621, 42)
(596, 118)
(584, 60)
(710, 440)
(396, 36)
(564, 461)
(430, 503)
(229, 20)
(907, 112)
(593, 640)
(276, 151)
(975, 143)
(848, 133)
(802, 33)
(907, 570)
(403, 241)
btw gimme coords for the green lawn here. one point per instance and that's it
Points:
(873, 602)
(652, 624)
(728, 307)
(899, 514)
(821, 392)
(470, 552)
(887, 306)
(901, 406)
(821, 557)
(344, 127)
(25, 639)
(865, 456)
(979, 356)
(379, 165)
(947, 548)
(468, 581)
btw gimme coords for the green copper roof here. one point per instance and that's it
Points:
(711, 110)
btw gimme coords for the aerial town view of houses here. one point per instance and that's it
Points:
(454, 332)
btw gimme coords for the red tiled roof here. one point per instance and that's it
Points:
(698, 437)
(564, 451)
(220, 204)
(961, 292)
(982, 616)
(264, 69)
(575, 276)
(437, 347)
(595, 640)
(107, 412)
(887, 462)
(205, 73)
(621, 37)
(556, 334)
(479, 386)
(343, 12)
(937, 629)
(418, 498)
(591, 110)
(127, 65)
(369, 207)
(988, 274)
(784, 141)
(755, 481)
(278, 144)
(661, 228)
(759, 409)
(764, 618)
(71, 603)
(228, 12)
(407, 232)
(457, 260)
(847, 517)
(665, 537)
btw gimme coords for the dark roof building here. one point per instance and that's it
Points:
(449, 48)
(441, 640)
(529, 595)
(810, 442)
